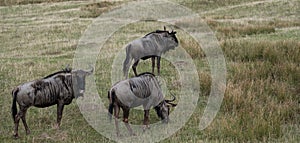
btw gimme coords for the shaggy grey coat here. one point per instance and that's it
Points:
(58, 88)
(141, 90)
(151, 46)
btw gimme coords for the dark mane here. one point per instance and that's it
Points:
(67, 70)
(141, 74)
(157, 31)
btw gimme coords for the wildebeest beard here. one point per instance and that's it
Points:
(78, 82)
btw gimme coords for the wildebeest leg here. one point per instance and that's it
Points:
(146, 120)
(60, 108)
(16, 121)
(116, 114)
(153, 64)
(125, 120)
(158, 65)
(24, 120)
(20, 115)
(134, 66)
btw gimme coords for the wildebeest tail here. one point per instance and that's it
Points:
(14, 109)
(127, 62)
(111, 96)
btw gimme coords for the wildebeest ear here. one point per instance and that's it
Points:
(173, 32)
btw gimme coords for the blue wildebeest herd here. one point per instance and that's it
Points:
(62, 87)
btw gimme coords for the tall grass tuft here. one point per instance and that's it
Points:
(262, 92)
(238, 31)
(272, 51)
(93, 10)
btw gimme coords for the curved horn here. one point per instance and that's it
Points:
(173, 32)
(169, 101)
(91, 70)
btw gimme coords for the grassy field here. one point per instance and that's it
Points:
(260, 41)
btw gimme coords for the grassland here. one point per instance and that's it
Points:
(260, 41)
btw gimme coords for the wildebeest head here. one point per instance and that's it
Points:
(170, 38)
(78, 79)
(163, 109)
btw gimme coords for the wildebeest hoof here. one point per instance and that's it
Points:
(16, 136)
(133, 134)
(56, 126)
(28, 132)
(119, 135)
(145, 127)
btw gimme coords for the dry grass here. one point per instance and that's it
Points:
(93, 10)
(273, 51)
(262, 92)
(24, 2)
(261, 103)
(230, 32)
(232, 29)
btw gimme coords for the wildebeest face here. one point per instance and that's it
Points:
(163, 111)
(78, 79)
(171, 39)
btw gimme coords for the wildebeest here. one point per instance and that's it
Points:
(58, 88)
(152, 45)
(141, 90)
